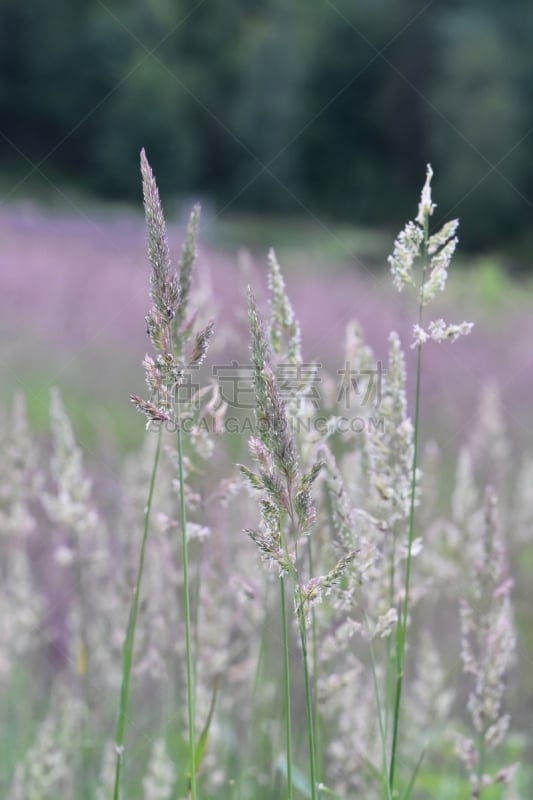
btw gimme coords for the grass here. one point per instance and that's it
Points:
(223, 683)
(90, 418)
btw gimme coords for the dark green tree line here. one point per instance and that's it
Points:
(335, 106)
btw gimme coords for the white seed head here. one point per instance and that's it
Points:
(426, 206)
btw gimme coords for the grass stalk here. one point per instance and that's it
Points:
(287, 688)
(480, 764)
(127, 654)
(300, 616)
(187, 612)
(308, 704)
(83, 670)
(314, 647)
(401, 629)
(379, 710)
(390, 672)
(250, 747)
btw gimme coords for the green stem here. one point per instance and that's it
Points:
(480, 764)
(379, 706)
(401, 629)
(300, 614)
(127, 654)
(308, 704)
(83, 668)
(287, 688)
(314, 636)
(390, 672)
(402, 622)
(253, 744)
(187, 611)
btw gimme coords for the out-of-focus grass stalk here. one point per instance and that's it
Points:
(300, 616)
(83, 670)
(286, 688)
(127, 655)
(314, 648)
(379, 711)
(401, 629)
(308, 703)
(250, 748)
(191, 713)
(481, 760)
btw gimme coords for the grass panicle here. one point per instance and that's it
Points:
(434, 253)
(170, 327)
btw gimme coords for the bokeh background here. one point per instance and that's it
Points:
(305, 126)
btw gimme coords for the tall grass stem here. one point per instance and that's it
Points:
(287, 688)
(314, 635)
(127, 655)
(308, 704)
(401, 630)
(187, 611)
(379, 710)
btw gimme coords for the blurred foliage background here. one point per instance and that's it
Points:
(308, 106)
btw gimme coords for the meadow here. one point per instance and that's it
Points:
(304, 570)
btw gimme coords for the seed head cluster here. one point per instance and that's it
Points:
(169, 323)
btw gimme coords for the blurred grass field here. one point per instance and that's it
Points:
(72, 293)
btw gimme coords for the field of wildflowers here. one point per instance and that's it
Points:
(310, 577)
